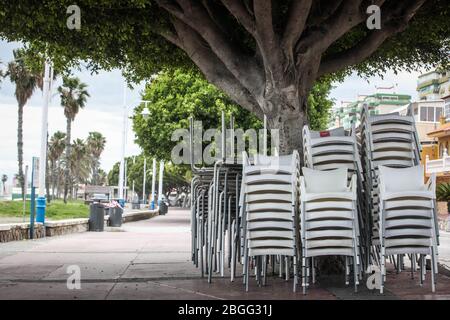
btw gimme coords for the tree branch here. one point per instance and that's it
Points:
(212, 67)
(241, 66)
(268, 41)
(320, 11)
(298, 14)
(391, 24)
(240, 12)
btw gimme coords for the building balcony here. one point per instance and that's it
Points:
(438, 166)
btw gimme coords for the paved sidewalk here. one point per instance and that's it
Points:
(150, 259)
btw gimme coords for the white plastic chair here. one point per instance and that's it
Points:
(407, 218)
(329, 221)
(269, 209)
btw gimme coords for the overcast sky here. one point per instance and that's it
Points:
(104, 111)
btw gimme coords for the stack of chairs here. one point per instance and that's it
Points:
(258, 211)
(214, 208)
(407, 219)
(338, 148)
(386, 140)
(269, 209)
(329, 220)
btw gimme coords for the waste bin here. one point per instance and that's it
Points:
(135, 203)
(115, 216)
(96, 217)
(162, 206)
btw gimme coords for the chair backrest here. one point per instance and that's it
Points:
(318, 181)
(401, 179)
(270, 194)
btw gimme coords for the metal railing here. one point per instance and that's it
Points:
(437, 165)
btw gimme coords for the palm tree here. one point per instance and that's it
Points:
(102, 177)
(55, 150)
(73, 95)
(95, 144)
(79, 164)
(26, 82)
(4, 179)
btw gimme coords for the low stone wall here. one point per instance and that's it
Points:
(139, 215)
(442, 208)
(20, 231)
(61, 227)
(444, 224)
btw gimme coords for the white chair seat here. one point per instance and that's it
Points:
(403, 213)
(268, 187)
(279, 234)
(334, 224)
(329, 214)
(328, 196)
(253, 252)
(268, 178)
(273, 215)
(418, 232)
(328, 205)
(280, 243)
(408, 242)
(268, 197)
(269, 206)
(327, 243)
(332, 149)
(329, 252)
(327, 233)
(407, 223)
(408, 203)
(424, 194)
(269, 225)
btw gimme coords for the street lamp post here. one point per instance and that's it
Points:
(145, 113)
(124, 140)
(160, 184)
(143, 182)
(152, 203)
(41, 201)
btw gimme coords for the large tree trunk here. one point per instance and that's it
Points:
(290, 128)
(67, 167)
(20, 149)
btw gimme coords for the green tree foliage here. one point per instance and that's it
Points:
(443, 192)
(174, 176)
(174, 96)
(319, 105)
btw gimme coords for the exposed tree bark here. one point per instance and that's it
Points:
(67, 166)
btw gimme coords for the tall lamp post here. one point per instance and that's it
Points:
(145, 114)
(152, 202)
(41, 201)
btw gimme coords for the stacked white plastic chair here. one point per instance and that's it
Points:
(337, 148)
(390, 140)
(270, 214)
(329, 220)
(407, 216)
(214, 207)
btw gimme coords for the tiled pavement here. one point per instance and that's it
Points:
(150, 260)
